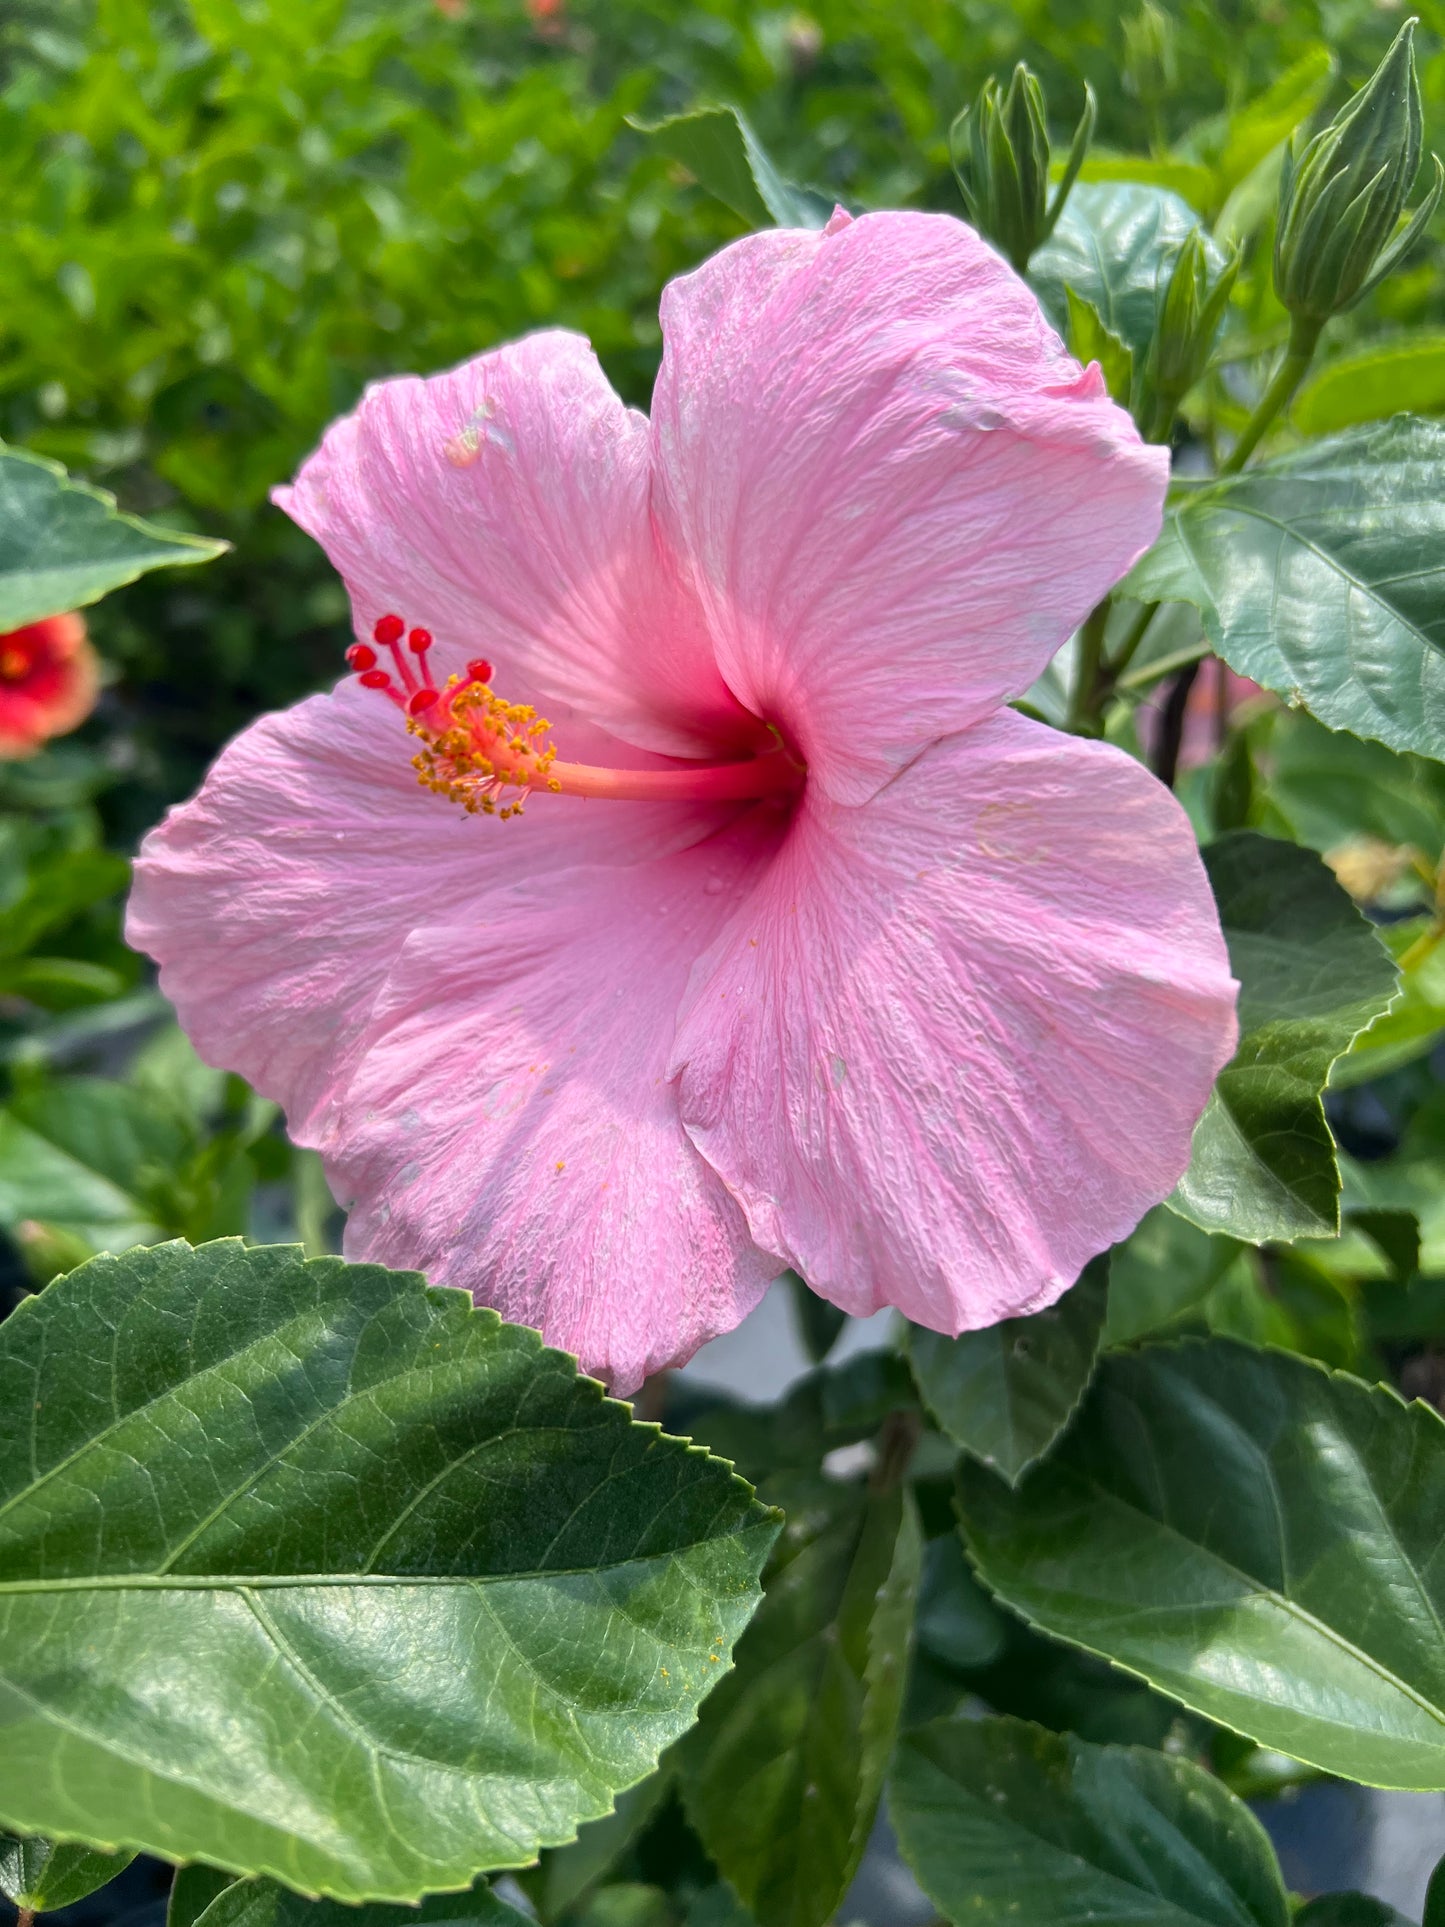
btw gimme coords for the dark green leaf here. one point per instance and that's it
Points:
(1312, 975)
(408, 1596)
(718, 147)
(1163, 1271)
(1004, 1394)
(1251, 1533)
(630, 1903)
(782, 1776)
(1348, 1910)
(566, 1873)
(41, 1875)
(820, 1325)
(192, 1891)
(1434, 1915)
(1000, 1820)
(263, 1903)
(836, 1405)
(63, 544)
(1321, 574)
(1112, 247)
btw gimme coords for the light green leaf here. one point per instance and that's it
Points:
(1113, 246)
(1409, 1028)
(1251, 1533)
(1165, 1269)
(263, 1903)
(1089, 340)
(1390, 377)
(408, 1597)
(1192, 181)
(718, 147)
(1312, 975)
(63, 543)
(1268, 120)
(41, 1876)
(1321, 574)
(782, 1776)
(1004, 1394)
(1002, 1820)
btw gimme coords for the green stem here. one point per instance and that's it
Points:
(1151, 672)
(1129, 647)
(1304, 335)
(1087, 696)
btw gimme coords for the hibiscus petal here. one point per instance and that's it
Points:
(504, 506)
(956, 1041)
(512, 1131)
(277, 899)
(898, 494)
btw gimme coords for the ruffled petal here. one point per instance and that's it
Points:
(898, 494)
(504, 506)
(956, 1041)
(277, 899)
(511, 1129)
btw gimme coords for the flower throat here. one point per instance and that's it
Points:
(487, 754)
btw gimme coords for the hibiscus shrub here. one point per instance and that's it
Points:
(982, 857)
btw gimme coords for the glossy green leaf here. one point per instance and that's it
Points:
(1113, 246)
(1166, 1268)
(311, 1572)
(782, 1776)
(42, 1875)
(264, 1903)
(63, 544)
(718, 147)
(1004, 1394)
(1348, 1910)
(1002, 1820)
(1389, 378)
(1321, 574)
(1254, 1535)
(1089, 340)
(1312, 975)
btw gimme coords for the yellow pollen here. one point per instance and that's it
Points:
(474, 752)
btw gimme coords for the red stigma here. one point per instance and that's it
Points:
(421, 700)
(479, 669)
(419, 641)
(361, 656)
(389, 630)
(376, 679)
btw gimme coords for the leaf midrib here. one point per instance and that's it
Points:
(1291, 1607)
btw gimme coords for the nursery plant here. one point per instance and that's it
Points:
(942, 815)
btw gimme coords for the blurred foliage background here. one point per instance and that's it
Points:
(220, 218)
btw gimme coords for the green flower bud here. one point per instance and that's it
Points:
(1341, 194)
(1000, 150)
(1193, 306)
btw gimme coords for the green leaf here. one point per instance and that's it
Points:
(820, 1325)
(1251, 1533)
(41, 1875)
(719, 148)
(1434, 1915)
(1089, 340)
(1312, 975)
(263, 1903)
(1192, 181)
(782, 1776)
(834, 1406)
(1112, 247)
(1166, 1268)
(999, 1820)
(1004, 1394)
(408, 1597)
(192, 1891)
(63, 543)
(1348, 1910)
(566, 1873)
(1406, 375)
(1261, 127)
(56, 891)
(1321, 574)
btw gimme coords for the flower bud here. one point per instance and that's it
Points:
(1000, 150)
(1189, 316)
(1341, 194)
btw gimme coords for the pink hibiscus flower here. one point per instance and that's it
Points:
(806, 950)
